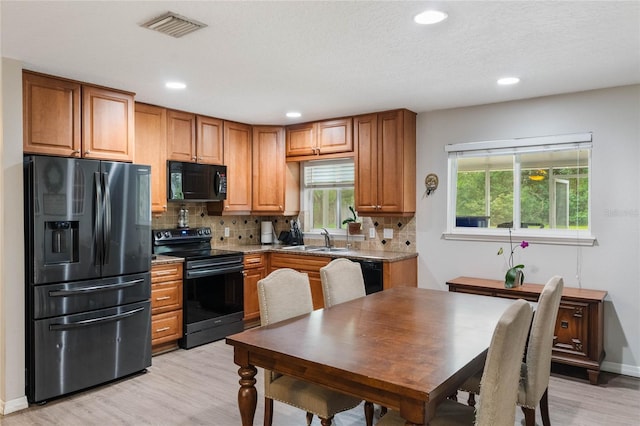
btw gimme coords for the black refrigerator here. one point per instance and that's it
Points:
(88, 261)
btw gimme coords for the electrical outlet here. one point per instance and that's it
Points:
(372, 232)
(226, 231)
(388, 233)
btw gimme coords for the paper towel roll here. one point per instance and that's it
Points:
(266, 232)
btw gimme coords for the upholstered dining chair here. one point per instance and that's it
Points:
(341, 281)
(500, 376)
(283, 294)
(535, 370)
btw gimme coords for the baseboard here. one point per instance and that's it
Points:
(8, 407)
(614, 367)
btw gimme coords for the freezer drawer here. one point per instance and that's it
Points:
(78, 351)
(81, 296)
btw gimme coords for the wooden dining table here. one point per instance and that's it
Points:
(405, 348)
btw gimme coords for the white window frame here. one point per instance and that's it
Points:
(515, 147)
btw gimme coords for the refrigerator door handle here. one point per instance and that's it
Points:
(107, 219)
(95, 289)
(94, 321)
(97, 218)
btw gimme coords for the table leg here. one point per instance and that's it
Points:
(247, 394)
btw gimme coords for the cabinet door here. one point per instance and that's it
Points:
(572, 329)
(301, 140)
(251, 305)
(334, 136)
(366, 163)
(51, 115)
(269, 165)
(181, 136)
(237, 157)
(151, 148)
(209, 147)
(390, 162)
(107, 124)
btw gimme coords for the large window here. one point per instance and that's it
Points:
(327, 193)
(538, 186)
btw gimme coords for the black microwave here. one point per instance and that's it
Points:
(196, 182)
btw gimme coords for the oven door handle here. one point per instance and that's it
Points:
(94, 289)
(94, 321)
(195, 273)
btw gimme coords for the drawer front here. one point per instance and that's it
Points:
(301, 263)
(254, 261)
(166, 327)
(166, 296)
(572, 329)
(166, 272)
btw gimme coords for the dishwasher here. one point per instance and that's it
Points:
(372, 274)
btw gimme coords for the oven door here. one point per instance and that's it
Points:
(213, 305)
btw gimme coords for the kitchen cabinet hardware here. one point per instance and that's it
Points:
(160, 330)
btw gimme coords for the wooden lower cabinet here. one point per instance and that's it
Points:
(579, 332)
(308, 264)
(166, 306)
(255, 269)
(403, 273)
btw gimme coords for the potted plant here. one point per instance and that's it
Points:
(353, 226)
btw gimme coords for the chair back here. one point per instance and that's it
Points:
(283, 294)
(500, 379)
(537, 367)
(341, 281)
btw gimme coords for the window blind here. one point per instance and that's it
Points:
(329, 173)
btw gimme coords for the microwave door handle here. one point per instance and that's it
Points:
(97, 218)
(107, 219)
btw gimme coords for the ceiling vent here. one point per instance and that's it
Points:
(173, 24)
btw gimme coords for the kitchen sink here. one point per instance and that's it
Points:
(315, 249)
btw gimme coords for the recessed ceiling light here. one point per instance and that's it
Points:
(175, 85)
(293, 114)
(429, 17)
(508, 80)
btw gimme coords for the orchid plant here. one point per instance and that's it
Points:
(514, 275)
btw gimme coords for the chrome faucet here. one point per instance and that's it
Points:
(327, 238)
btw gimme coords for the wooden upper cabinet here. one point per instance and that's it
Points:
(51, 115)
(107, 124)
(237, 157)
(330, 138)
(181, 136)
(386, 163)
(209, 140)
(151, 149)
(269, 164)
(66, 118)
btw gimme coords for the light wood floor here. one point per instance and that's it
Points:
(199, 387)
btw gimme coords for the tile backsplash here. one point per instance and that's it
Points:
(245, 230)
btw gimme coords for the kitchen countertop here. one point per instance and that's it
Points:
(382, 255)
(162, 259)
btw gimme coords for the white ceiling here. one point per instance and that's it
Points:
(257, 60)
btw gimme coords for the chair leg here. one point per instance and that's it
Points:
(544, 408)
(326, 422)
(383, 410)
(529, 416)
(309, 418)
(268, 411)
(472, 399)
(368, 413)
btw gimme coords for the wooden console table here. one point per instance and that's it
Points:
(578, 338)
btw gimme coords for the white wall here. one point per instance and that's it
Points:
(11, 241)
(613, 264)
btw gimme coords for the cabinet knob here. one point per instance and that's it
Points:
(194, 158)
(75, 152)
(87, 152)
